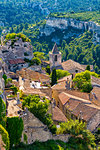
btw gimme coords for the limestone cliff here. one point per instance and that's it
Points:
(65, 23)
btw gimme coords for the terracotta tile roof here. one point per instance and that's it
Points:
(70, 64)
(72, 104)
(95, 80)
(16, 61)
(58, 115)
(60, 85)
(65, 78)
(78, 94)
(87, 111)
(64, 97)
(32, 91)
(33, 75)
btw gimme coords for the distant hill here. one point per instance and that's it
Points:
(31, 11)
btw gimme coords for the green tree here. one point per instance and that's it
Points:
(78, 130)
(88, 67)
(5, 137)
(53, 77)
(61, 73)
(2, 113)
(14, 89)
(83, 81)
(5, 79)
(15, 128)
(36, 61)
(40, 55)
(40, 109)
(48, 69)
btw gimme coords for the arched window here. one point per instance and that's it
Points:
(55, 57)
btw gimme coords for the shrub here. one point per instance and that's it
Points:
(2, 113)
(15, 127)
(83, 81)
(5, 137)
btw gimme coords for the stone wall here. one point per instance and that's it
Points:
(36, 130)
(94, 122)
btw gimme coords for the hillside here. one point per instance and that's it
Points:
(83, 16)
(22, 11)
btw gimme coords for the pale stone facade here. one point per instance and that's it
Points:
(55, 57)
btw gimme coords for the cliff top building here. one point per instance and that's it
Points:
(55, 58)
(69, 65)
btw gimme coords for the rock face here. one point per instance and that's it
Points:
(66, 23)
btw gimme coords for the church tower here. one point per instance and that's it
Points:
(55, 58)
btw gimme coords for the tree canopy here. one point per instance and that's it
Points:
(83, 81)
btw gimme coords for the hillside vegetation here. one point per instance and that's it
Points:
(30, 11)
(83, 16)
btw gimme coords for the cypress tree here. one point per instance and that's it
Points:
(53, 77)
(88, 67)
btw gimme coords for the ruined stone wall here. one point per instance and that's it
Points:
(94, 122)
(36, 130)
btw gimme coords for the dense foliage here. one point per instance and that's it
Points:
(78, 130)
(14, 36)
(49, 145)
(39, 107)
(57, 74)
(83, 81)
(14, 89)
(24, 11)
(82, 50)
(61, 73)
(15, 127)
(5, 137)
(84, 16)
(6, 80)
(53, 77)
(2, 113)
(79, 47)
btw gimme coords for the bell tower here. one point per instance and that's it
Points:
(55, 58)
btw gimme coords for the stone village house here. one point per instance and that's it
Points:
(71, 66)
(77, 108)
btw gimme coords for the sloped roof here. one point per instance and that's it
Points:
(59, 86)
(87, 111)
(55, 49)
(70, 64)
(64, 97)
(95, 80)
(65, 78)
(58, 115)
(72, 104)
(16, 61)
(33, 75)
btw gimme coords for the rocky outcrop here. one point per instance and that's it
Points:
(64, 23)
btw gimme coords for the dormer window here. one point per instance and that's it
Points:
(55, 57)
